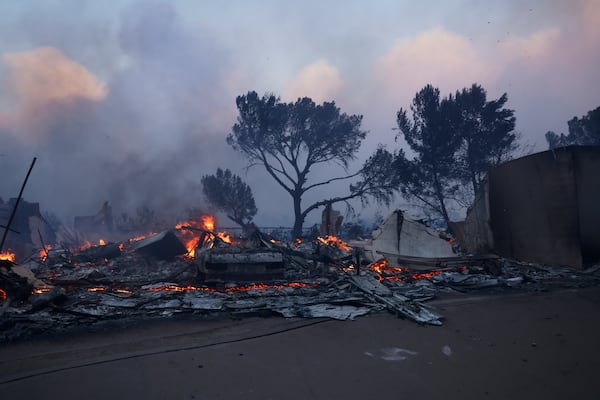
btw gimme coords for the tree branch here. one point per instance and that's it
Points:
(329, 181)
(271, 172)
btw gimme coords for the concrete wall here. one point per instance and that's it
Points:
(541, 208)
(477, 237)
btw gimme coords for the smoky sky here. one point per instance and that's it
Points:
(147, 143)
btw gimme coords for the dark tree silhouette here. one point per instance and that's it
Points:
(430, 176)
(582, 131)
(291, 139)
(455, 140)
(228, 193)
(487, 133)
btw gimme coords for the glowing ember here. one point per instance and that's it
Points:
(382, 267)
(8, 256)
(124, 291)
(141, 237)
(42, 290)
(334, 241)
(96, 289)
(387, 273)
(2, 295)
(101, 242)
(259, 286)
(422, 275)
(175, 288)
(121, 246)
(44, 252)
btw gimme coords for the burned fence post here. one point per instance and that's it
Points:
(14, 210)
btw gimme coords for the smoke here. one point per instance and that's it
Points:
(142, 138)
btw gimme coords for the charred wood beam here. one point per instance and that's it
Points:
(14, 210)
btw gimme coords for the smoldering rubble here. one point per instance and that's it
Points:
(198, 273)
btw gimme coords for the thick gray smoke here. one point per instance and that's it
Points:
(146, 142)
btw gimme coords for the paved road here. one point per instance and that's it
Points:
(517, 347)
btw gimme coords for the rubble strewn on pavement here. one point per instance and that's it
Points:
(65, 289)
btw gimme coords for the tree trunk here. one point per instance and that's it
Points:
(474, 181)
(298, 217)
(440, 196)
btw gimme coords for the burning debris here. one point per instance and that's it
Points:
(193, 269)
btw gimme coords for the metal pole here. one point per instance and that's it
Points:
(14, 210)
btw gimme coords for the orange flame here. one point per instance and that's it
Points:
(384, 270)
(381, 266)
(334, 241)
(140, 237)
(191, 245)
(44, 252)
(101, 242)
(8, 256)
(42, 290)
(421, 275)
(192, 238)
(124, 291)
(225, 237)
(2, 295)
(96, 289)
(208, 221)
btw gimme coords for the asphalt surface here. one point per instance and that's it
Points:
(542, 346)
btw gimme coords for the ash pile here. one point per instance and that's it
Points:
(194, 271)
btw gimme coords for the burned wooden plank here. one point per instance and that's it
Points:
(95, 253)
(163, 246)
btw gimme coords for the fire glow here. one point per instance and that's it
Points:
(382, 267)
(386, 272)
(334, 241)
(44, 252)
(8, 256)
(194, 231)
(42, 290)
(89, 244)
(141, 237)
(192, 288)
(259, 286)
(2, 295)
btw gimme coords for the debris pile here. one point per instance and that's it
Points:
(196, 271)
